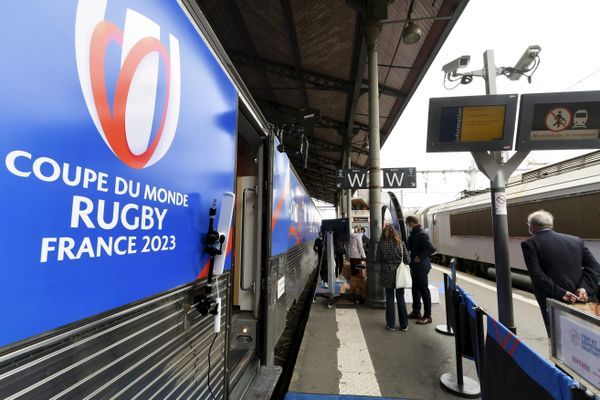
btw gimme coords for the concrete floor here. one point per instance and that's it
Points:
(396, 364)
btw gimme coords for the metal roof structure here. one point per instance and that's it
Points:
(299, 54)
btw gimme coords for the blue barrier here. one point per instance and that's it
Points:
(525, 374)
(311, 396)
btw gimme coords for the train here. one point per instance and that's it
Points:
(569, 189)
(153, 238)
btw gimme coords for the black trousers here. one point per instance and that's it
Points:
(420, 290)
(339, 264)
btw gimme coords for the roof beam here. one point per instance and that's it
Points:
(323, 123)
(316, 79)
(359, 56)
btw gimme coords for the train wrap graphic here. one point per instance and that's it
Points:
(118, 131)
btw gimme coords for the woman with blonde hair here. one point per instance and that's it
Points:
(390, 252)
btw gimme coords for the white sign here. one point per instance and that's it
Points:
(280, 287)
(581, 350)
(500, 203)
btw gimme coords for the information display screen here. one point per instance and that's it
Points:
(472, 124)
(475, 123)
(550, 121)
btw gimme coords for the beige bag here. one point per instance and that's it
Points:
(403, 279)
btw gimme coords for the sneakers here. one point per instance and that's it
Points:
(325, 285)
(415, 315)
(404, 329)
(388, 328)
(424, 320)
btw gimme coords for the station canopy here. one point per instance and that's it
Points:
(296, 55)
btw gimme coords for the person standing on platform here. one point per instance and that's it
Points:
(318, 248)
(561, 267)
(356, 253)
(339, 251)
(390, 252)
(365, 240)
(420, 249)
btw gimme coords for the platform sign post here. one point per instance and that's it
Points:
(498, 172)
(484, 125)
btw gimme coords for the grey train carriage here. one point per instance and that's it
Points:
(570, 190)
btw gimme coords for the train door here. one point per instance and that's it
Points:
(245, 329)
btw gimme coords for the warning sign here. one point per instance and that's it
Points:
(565, 120)
(500, 204)
(558, 119)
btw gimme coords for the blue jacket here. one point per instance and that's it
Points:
(419, 245)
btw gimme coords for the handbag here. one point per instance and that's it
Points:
(403, 279)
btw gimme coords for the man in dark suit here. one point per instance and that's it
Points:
(420, 248)
(560, 266)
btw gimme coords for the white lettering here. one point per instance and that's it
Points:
(65, 175)
(136, 220)
(120, 186)
(102, 182)
(65, 247)
(162, 195)
(119, 240)
(160, 216)
(394, 179)
(89, 176)
(46, 248)
(10, 159)
(85, 247)
(84, 214)
(115, 215)
(353, 179)
(37, 169)
(105, 246)
(147, 220)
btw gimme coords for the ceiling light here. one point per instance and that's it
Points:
(411, 34)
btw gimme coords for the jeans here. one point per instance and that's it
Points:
(420, 289)
(390, 313)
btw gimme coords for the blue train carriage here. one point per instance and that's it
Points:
(123, 132)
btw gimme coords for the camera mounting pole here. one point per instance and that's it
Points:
(498, 171)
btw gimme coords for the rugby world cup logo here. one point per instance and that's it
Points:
(126, 120)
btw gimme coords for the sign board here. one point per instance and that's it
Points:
(556, 121)
(393, 178)
(575, 343)
(354, 178)
(399, 178)
(472, 123)
(107, 180)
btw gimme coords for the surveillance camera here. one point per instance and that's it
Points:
(453, 66)
(525, 62)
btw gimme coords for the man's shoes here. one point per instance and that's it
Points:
(389, 328)
(404, 329)
(325, 285)
(424, 320)
(415, 315)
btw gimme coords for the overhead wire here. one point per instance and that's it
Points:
(583, 79)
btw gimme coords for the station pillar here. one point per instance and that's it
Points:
(375, 296)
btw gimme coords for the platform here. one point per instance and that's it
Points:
(348, 351)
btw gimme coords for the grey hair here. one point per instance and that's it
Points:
(541, 218)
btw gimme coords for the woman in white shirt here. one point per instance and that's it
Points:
(356, 252)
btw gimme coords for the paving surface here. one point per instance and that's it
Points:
(349, 351)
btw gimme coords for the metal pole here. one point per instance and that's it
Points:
(374, 288)
(499, 214)
(349, 192)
